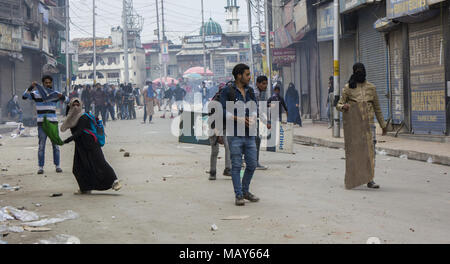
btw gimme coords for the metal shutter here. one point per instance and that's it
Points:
(427, 67)
(396, 76)
(326, 70)
(372, 48)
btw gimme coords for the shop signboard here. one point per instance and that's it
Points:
(325, 22)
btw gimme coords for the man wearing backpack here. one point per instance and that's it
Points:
(216, 140)
(242, 141)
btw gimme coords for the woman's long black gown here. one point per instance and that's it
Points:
(90, 168)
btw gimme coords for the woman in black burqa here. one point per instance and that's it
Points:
(90, 168)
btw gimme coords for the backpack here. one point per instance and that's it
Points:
(97, 129)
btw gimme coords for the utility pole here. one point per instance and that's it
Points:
(337, 91)
(164, 40)
(125, 41)
(159, 43)
(249, 13)
(203, 40)
(269, 66)
(68, 70)
(95, 43)
(258, 13)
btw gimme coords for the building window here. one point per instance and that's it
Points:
(113, 75)
(111, 60)
(243, 57)
(232, 58)
(134, 73)
(219, 67)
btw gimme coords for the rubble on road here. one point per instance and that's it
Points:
(214, 227)
(127, 154)
(236, 217)
(36, 229)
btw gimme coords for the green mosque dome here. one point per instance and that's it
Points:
(212, 28)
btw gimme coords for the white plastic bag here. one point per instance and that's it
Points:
(62, 239)
(22, 215)
(68, 215)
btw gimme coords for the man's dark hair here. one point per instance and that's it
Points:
(261, 79)
(239, 69)
(277, 88)
(47, 77)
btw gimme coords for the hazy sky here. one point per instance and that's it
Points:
(182, 17)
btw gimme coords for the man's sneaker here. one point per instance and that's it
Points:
(250, 197)
(227, 172)
(163, 116)
(240, 201)
(261, 167)
(40, 171)
(59, 170)
(373, 185)
(212, 176)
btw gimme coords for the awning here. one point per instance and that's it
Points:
(385, 24)
(12, 55)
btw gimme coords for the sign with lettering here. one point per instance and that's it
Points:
(199, 39)
(10, 37)
(284, 56)
(98, 43)
(325, 22)
(400, 8)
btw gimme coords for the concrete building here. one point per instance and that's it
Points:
(110, 58)
(403, 44)
(30, 46)
(152, 61)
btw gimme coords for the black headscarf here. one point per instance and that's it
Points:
(291, 90)
(358, 76)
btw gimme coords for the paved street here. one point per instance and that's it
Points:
(303, 199)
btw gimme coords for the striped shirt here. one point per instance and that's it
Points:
(46, 100)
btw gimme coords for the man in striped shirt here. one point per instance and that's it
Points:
(46, 99)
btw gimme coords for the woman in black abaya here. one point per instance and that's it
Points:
(90, 168)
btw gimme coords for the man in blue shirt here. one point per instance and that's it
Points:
(46, 99)
(242, 141)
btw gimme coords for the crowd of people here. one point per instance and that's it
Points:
(94, 173)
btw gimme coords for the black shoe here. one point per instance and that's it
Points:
(373, 185)
(227, 172)
(250, 197)
(59, 170)
(240, 201)
(40, 171)
(261, 167)
(212, 176)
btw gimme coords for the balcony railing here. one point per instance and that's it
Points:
(10, 9)
(57, 18)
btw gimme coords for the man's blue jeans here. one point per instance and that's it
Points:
(242, 146)
(41, 153)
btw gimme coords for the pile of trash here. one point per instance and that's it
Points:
(30, 221)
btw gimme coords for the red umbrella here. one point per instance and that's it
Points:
(168, 79)
(199, 70)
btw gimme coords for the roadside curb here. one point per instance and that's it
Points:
(412, 155)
